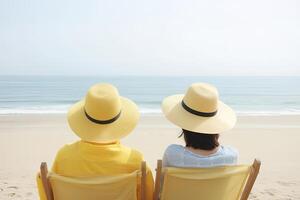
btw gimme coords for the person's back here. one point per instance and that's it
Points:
(201, 116)
(84, 159)
(101, 120)
(89, 159)
(179, 156)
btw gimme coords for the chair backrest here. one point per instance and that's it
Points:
(118, 187)
(218, 183)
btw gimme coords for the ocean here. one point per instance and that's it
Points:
(54, 94)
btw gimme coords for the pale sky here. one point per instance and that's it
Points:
(150, 37)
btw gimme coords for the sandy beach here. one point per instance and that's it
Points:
(28, 139)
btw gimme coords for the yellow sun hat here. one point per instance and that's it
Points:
(199, 110)
(103, 116)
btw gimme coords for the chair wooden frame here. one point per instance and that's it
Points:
(48, 189)
(254, 170)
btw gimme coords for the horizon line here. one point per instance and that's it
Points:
(139, 75)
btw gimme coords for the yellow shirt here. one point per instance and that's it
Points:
(82, 159)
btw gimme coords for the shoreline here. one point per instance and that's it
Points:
(238, 113)
(242, 119)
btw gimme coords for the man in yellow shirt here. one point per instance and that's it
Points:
(100, 120)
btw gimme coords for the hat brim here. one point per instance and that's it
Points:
(224, 120)
(93, 132)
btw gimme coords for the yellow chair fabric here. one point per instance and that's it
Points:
(120, 187)
(220, 183)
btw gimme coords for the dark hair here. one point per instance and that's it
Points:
(200, 140)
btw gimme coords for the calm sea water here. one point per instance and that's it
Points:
(53, 94)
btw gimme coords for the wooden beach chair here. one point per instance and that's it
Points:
(119, 187)
(218, 183)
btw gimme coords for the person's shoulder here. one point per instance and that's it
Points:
(69, 147)
(174, 148)
(230, 151)
(134, 154)
(66, 150)
(172, 155)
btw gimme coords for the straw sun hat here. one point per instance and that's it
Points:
(103, 116)
(199, 110)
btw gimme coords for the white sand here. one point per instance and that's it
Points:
(26, 140)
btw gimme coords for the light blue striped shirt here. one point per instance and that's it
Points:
(178, 156)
